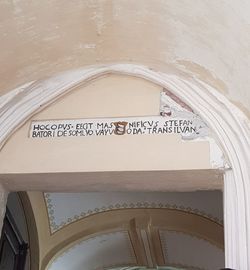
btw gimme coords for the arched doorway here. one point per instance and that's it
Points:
(228, 128)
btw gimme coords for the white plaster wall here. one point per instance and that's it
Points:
(110, 96)
(208, 39)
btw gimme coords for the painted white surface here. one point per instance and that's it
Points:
(106, 97)
(64, 208)
(181, 249)
(203, 39)
(229, 125)
(115, 249)
(107, 250)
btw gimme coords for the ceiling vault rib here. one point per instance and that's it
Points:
(137, 243)
(157, 248)
(147, 248)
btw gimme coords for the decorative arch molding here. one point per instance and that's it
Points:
(230, 128)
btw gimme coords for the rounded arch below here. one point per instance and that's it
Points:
(124, 231)
(229, 126)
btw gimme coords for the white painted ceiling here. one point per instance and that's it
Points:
(106, 250)
(65, 208)
(115, 249)
(182, 249)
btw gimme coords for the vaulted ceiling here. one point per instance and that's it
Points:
(65, 208)
(105, 230)
(206, 39)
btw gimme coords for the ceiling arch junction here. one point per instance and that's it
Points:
(229, 127)
(143, 230)
(142, 237)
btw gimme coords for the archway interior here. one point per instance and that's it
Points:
(182, 230)
(159, 162)
(114, 97)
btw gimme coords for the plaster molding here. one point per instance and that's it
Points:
(230, 127)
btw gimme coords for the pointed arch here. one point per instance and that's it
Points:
(229, 125)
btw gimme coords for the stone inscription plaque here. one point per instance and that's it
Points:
(188, 127)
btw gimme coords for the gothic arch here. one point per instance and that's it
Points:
(229, 125)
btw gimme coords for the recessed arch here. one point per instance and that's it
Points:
(132, 222)
(229, 125)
